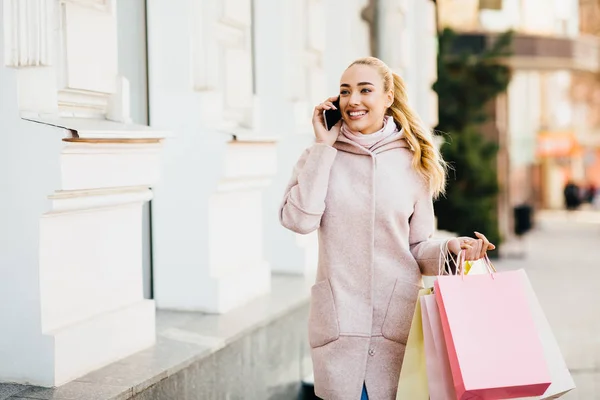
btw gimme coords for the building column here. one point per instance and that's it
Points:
(290, 80)
(408, 44)
(207, 216)
(72, 196)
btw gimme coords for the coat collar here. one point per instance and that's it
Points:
(349, 146)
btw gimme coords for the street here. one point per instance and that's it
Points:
(561, 260)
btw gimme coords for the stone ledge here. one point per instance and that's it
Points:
(257, 351)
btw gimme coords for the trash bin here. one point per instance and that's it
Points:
(523, 219)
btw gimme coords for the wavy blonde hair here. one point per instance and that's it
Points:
(427, 160)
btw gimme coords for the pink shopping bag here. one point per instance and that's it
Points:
(439, 375)
(494, 348)
(562, 382)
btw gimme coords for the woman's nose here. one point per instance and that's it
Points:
(354, 99)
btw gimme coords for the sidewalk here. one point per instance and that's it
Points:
(563, 263)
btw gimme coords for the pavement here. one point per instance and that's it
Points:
(562, 259)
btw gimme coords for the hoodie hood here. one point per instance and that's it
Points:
(349, 146)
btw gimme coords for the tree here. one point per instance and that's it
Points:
(468, 80)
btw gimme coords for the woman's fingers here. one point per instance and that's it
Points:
(484, 244)
(482, 248)
(472, 248)
(473, 252)
(487, 244)
(329, 101)
(318, 112)
(475, 249)
(325, 106)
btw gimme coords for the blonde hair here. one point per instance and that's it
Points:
(427, 160)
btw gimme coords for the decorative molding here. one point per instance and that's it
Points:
(222, 56)
(237, 13)
(76, 103)
(97, 148)
(88, 64)
(205, 54)
(79, 200)
(93, 129)
(118, 108)
(101, 5)
(112, 141)
(27, 32)
(102, 165)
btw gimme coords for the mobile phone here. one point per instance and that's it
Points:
(332, 117)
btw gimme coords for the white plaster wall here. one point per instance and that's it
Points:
(131, 27)
(131, 30)
(346, 38)
(283, 114)
(192, 157)
(29, 172)
(207, 221)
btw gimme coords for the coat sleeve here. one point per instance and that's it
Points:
(424, 249)
(304, 200)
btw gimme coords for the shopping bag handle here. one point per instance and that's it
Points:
(446, 261)
(486, 260)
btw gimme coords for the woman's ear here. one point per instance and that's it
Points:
(390, 99)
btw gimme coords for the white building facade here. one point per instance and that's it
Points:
(202, 107)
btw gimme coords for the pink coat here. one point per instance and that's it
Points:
(374, 216)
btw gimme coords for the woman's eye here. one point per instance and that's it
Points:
(366, 90)
(344, 92)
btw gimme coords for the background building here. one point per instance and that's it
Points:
(545, 134)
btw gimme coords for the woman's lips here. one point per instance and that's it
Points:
(354, 115)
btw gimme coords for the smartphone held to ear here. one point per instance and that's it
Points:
(332, 117)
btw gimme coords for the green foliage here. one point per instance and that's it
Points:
(467, 81)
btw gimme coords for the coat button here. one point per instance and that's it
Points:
(371, 352)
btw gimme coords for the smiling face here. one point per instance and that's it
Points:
(363, 99)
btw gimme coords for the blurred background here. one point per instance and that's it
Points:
(145, 147)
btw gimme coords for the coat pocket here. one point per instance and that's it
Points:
(323, 326)
(400, 311)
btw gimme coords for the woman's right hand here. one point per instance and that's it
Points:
(322, 135)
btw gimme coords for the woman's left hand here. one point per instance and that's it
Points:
(474, 248)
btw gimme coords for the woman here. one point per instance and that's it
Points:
(367, 185)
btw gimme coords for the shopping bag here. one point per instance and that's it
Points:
(439, 375)
(562, 381)
(413, 375)
(494, 347)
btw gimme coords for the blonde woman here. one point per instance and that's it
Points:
(367, 185)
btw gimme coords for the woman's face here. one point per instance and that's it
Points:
(363, 101)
